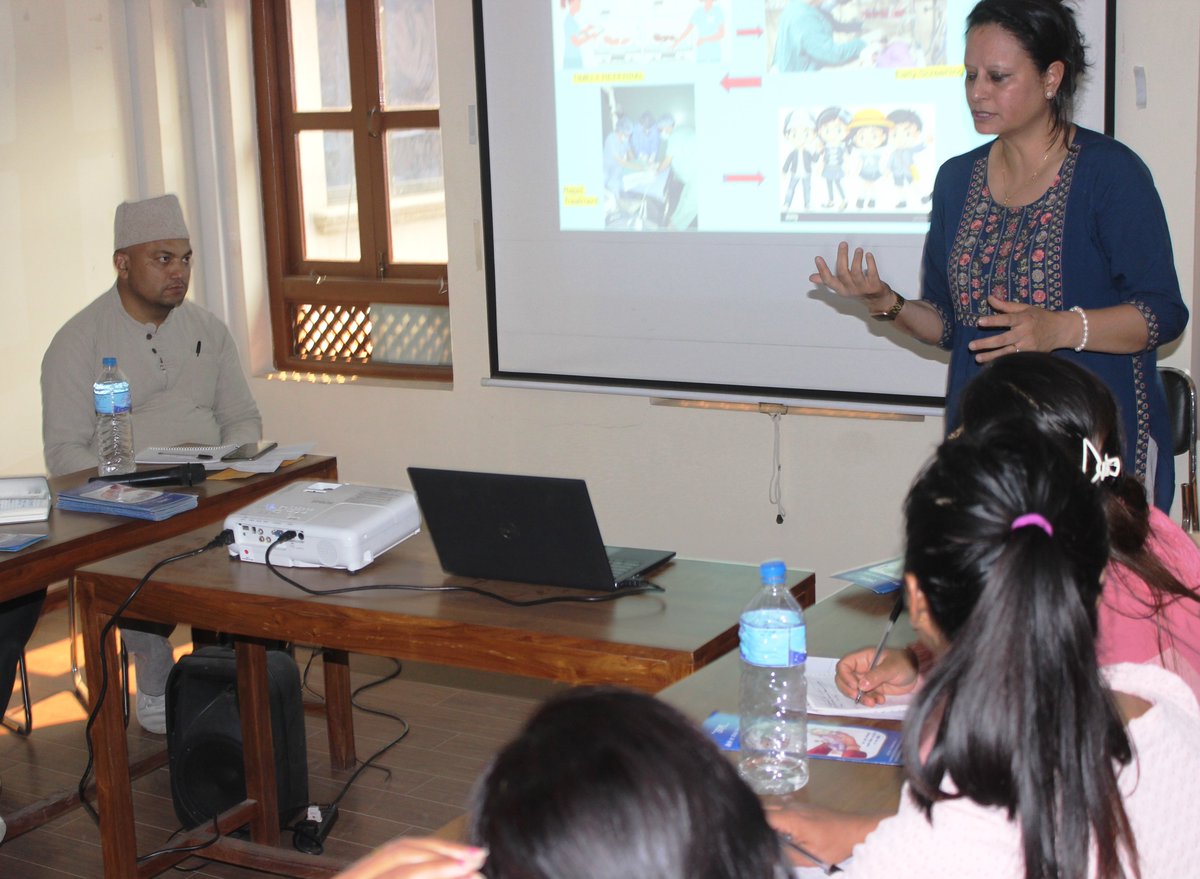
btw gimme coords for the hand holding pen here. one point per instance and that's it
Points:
(855, 659)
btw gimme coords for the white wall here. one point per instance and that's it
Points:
(693, 481)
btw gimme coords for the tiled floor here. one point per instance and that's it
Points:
(456, 721)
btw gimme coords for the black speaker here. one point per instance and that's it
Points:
(204, 735)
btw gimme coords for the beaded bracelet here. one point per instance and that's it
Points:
(1083, 317)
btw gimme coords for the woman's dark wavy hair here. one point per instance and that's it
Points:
(1047, 30)
(1066, 404)
(1015, 713)
(609, 783)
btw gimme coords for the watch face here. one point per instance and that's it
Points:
(891, 313)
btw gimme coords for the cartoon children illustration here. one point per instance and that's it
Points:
(805, 153)
(832, 130)
(868, 134)
(906, 142)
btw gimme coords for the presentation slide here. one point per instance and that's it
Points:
(661, 175)
(649, 116)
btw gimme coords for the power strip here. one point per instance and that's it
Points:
(308, 835)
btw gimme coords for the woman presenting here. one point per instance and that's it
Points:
(1049, 238)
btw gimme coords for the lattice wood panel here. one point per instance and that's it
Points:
(380, 334)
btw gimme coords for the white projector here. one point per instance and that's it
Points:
(337, 525)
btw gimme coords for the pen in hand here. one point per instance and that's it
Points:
(823, 866)
(892, 617)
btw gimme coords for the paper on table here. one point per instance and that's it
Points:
(271, 461)
(824, 697)
(880, 577)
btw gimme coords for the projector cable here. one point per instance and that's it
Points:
(308, 834)
(225, 538)
(642, 588)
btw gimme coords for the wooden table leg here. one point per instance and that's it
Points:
(339, 717)
(114, 791)
(258, 748)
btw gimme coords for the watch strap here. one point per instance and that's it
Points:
(891, 313)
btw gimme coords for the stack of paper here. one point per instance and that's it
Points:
(209, 456)
(24, 499)
(115, 499)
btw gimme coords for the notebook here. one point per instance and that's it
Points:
(530, 529)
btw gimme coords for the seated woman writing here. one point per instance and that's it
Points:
(1151, 606)
(1023, 757)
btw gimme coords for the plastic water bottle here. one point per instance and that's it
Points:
(772, 704)
(114, 419)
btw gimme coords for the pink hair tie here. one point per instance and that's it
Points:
(1037, 519)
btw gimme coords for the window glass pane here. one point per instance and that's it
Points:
(328, 195)
(411, 334)
(417, 195)
(320, 64)
(408, 50)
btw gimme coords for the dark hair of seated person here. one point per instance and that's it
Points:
(1007, 541)
(1067, 404)
(609, 783)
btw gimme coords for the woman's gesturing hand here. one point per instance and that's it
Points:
(855, 277)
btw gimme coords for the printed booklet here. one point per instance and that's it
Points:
(116, 499)
(826, 741)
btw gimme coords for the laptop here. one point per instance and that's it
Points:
(530, 529)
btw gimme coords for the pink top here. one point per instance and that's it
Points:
(1161, 789)
(1128, 630)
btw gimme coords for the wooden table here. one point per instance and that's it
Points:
(75, 539)
(850, 619)
(644, 641)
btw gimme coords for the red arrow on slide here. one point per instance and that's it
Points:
(750, 32)
(743, 82)
(744, 178)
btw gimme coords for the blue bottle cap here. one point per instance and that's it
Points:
(108, 361)
(773, 570)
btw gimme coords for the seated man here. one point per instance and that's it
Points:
(185, 379)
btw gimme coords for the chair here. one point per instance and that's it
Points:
(1181, 403)
(27, 728)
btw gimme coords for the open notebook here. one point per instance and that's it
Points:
(529, 529)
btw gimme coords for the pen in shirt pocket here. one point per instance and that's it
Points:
(197, 347)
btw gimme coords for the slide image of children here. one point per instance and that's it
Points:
(907, 140)
(833, 129)
(802, 150)
(869, 130)
(873, 160)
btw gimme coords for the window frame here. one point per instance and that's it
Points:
(292, 280)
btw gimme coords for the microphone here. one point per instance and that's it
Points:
(183, 474)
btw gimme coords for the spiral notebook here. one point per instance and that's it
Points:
(209, 456)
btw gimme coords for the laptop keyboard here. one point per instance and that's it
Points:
(622, 568)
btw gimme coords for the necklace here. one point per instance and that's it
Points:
(1009, 190)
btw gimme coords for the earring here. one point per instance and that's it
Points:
(1049, 96)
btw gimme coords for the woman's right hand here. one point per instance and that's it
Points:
(855, 277)
(419, 858)
(894, 675)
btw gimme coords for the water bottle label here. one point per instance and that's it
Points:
(112, 401)
(767, 640)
